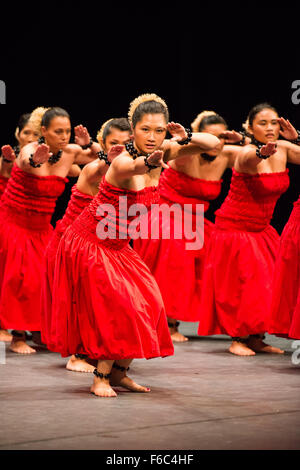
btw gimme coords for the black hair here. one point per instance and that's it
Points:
(23, 120)
(257, 109)
(122, 124)
(51, 114)
(149, 107)
(211, 119)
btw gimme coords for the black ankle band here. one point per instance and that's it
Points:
(18, 335)
(173, 325)
(100, 375)
(80, 356)
(258, 336)
(238, 339)
(116, 366)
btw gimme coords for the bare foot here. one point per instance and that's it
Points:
(127, 382)
(79, 365)
(101, 388)
(177, 337)
(240, 349)
(19, 345)
(258, 345)
(5, 336)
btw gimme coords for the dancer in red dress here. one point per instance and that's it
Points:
(285, 310)
(112, 136)
(37, 179)
(24, 134)
(242, 250)
(106, 302)
(190, 180)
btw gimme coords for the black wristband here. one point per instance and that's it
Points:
(7, 161)
(31, 162)
(297, 140)
(259, 155)
(84, 147)
(188, 139)
(151, 167)
(103, 156)
(242, 142)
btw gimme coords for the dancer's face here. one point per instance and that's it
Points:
(27, 135)
(115, 137)
(217, 130)
(150, 132)
(58, 133)
(265, 127)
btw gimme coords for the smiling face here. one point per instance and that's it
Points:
(150, 132)
(115, 137)
(58, 133)
(265, 127)
(27, 135)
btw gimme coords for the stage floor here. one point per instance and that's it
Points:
(203, 397)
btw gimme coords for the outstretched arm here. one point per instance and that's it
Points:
(124, 167)
(250, 156)
(198, 141)
(86, 150)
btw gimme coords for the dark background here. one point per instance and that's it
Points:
(93, 59)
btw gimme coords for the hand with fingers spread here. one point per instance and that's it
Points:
(156, 159)
(82, 136)
(231, 137)
(287, 130)
(8, 153)
(42, 154)
(269, 149)
(114, 152)
(177, 131)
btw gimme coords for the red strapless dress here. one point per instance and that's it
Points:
(177, 270)
(238, 273)
(106, 303)
(3, 183)
(25, 212)
(285, 309)
(77, 203)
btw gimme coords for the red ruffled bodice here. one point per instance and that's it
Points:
(251, 200)
(108, 212)
(77, 203)
(177, 187)
(29, 200)
(3, 183)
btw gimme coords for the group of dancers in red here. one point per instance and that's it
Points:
(103, 301)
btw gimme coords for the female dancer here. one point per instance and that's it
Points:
(111, 137)
(24, 134)
(106, 302)
(190, 180)
(25, 211)
(239, 268)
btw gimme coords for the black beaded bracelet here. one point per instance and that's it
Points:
(151, 167)
(7, 161)
(103, 156)
(31, 162)
(242, 142)
(188, 139)
(122, 369)
(297, 140)
(84, 147)
(259, 155)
